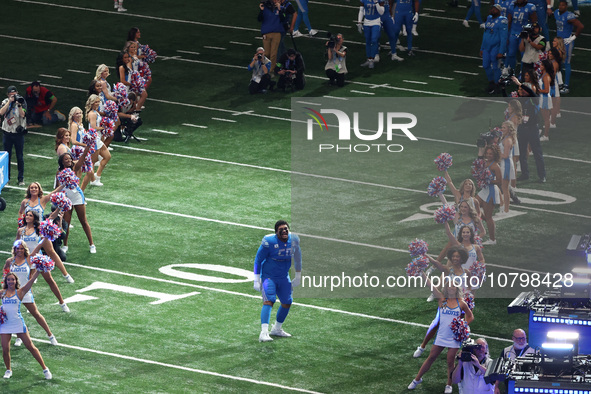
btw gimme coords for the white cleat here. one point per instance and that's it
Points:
(69, 278)
(7, 374)
(397, 58)
(92, 249)
(448, 389)
(413, 385)
(376, 59)
(65, 308)
(279, 332)
(313, 32)
(120, 9)
(264, 337)
(465, 23)
(418, 352)
(47, 374)
(52, 340)
(296, 33)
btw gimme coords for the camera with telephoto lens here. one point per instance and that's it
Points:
(487, 138)
(506, 76)
(469, 348)
(19, 99)
(259, 56)
(526, 31)
(332, 40)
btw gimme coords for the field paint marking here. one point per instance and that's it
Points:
(225, 120)
(280, 109)
(60, 43)
(50, 76)
(189, 52)
(218, 48)
(78, 71)
(194, 125)
(200, 371)
(340, 26)
(43, 157)
(465, 72)
(164, 131)
(438, 77)
(433, 9)
(359, 91)
(240, 43)
(417, 82)
(307, 103)
(337, 98)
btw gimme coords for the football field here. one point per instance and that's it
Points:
(167, 305)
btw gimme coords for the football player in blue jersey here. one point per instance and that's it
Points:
(406, 13)
(368, 23)
(494, 45)
(519, 14)
(504, 6)
(566, 22)
(271, 276)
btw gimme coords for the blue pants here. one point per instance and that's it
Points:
(490, 63)
(474, 10)
(17, 141)
(403, 18)
(372, 37)
(543, 22)
(302, 14)
(388, 25)
(277, 288)
(530, 136)
(512, 50)
(567, 67)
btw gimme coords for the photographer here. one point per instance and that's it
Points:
(290, 68)
(130, 120)
(260, 67)
(471, 367)
(336, 66)
(14, 113)
(532, 45)
(272, 27)
(41, 103)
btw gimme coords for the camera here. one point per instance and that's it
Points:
(332, 40)
(526, 31)
(21, 130)
(488, 137)
(259, 56)
(19, 99)
(506, 76)
(468, 349)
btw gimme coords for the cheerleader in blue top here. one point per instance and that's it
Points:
(507, 167)
(35, 200)
(12, 294)
(489, 196)
(451, 305)
(74, 134)
(546, 82)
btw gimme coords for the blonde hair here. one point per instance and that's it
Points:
(463, 184)
(99, 70)
(71, 115)
(22, 243)
(512, 132)
(89, 102)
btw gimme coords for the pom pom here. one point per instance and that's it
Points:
(87, 166)
(443, 161)
(60, 200)
(124, 103)
(478, 241)
(3, 318)
(436, 186)
(138, 84)
(514, 94)
(417, 266)
(21, 221)
(76, 151)
(478, 269)
(42, 263)
(108, 126)
(418, 247)
(120, 91)
(149, 53)
(469, 300)
(110, 109)
(49, 230)
(68, 178)
(90, 139)
(144, 70)
(445, 213)
(460, 329)
(481, 172)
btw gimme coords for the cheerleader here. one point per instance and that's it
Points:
(514, 114)
(466, 192)
(12, 296)
(75, 128)
(124, 66)
(546, 82)
(489, 196)
(134, 35)
(94, 122)
(507, 166)
(556, 59)
(35, 200)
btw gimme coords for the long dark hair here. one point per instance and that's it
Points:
(36, 220)
(557, 56)
(131, 33)
(549, 69)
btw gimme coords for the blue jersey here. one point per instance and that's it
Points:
(273, 259)
(521, 16)
(504, 5)
(386, 13)
(405, 6)
(371, 12)
(563, 28)
(495, 34)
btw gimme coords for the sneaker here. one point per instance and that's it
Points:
(365, 64)
(313, 32)
(296, 33)
(264, 336)
(559, 115)
(65, 247)
(448, 389)
(371, 64)
(7, 374)
(46, 372)
(564, 90)
(544, 138)
(577, 13)
(490, 242)
(18, 342)
(65, 308)
(431, 298)
(115, 5)
(413, 385)
(120, 9)
(97, 182)
(279, 332)
(376, 59)
(542, 180)
(465, 23)
(69, 278)
(397, 58)
(52, 340)
(414, 31)
(60, 116)
(552, 126)
(92, 249)
(21, 183)
(482, 26)
(418, 352)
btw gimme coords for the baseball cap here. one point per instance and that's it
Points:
(498, 7)
(11, 89)
(260, 49)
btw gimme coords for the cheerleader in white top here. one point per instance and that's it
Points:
(451, 305)
(556, 59)
(12, 294)
(546, 83)
(77, 197)
(125, 67)
(103, 88)
(507, 166)
(29, 233)
(35, 200)
(19, 265)
(75, 134)
(94, 122)
(489, 196)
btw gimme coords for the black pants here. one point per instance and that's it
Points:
(335, 77)
(285, 82)
(16, 140)
(256, 87)
(525, 136)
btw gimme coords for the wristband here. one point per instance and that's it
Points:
(549, 6)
